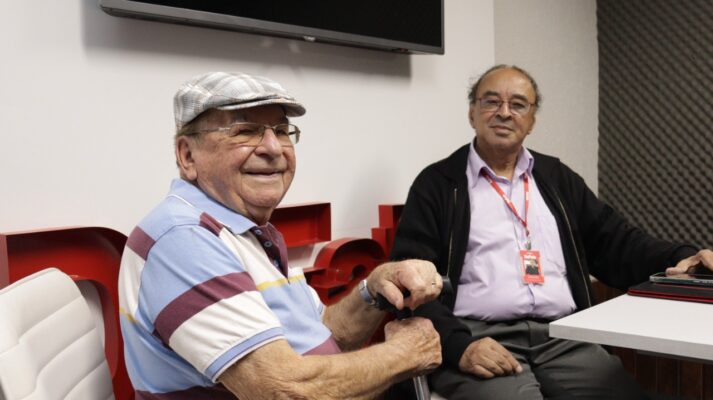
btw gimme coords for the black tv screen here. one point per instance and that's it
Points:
(407, 26)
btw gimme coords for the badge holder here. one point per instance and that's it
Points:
(531, 267)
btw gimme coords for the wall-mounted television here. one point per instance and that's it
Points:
(405, 26)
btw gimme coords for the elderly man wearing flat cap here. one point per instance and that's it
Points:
(210, 308)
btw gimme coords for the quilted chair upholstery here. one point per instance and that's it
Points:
(50, 347)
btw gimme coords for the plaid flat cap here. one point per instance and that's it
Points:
(229, 91)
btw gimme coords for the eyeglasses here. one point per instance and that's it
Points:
(516, 106)
(251, 133)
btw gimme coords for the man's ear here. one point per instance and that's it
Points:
(534, 119)
(185, 147)
(471, 115)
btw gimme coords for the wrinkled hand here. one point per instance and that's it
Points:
(687, 265)
(486, 358)
(419, 341)
(418, 276)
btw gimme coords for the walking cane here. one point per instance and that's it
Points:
(419, 382)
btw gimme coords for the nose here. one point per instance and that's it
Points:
(269, 143)
(504, 110)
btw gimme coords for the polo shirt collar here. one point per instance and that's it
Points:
(196, 197)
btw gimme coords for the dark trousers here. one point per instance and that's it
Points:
(552, 368)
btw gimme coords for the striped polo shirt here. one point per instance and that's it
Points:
(197, 292)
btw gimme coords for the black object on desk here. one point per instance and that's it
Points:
(672, 291)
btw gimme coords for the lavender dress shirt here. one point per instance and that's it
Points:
(491, 286)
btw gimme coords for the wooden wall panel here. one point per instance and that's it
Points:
(646, 372)
(691, 383)
(707, 382)
(667, 376)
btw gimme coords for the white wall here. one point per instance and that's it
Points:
(87, 114)
(556, 41)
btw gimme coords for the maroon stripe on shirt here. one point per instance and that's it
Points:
(211, 224)
(329, 346)
(217, 392)
(199, 297)
(140, 242)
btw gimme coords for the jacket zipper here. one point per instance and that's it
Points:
(574, 246)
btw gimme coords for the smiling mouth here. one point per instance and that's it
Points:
(264, 174)
(501, 130)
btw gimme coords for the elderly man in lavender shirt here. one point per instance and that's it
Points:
(519, 234)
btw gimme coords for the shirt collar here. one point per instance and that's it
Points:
(197, 198)
(525, 163)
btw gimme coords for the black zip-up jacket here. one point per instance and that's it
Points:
(596, 240)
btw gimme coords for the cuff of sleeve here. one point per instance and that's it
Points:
(234, 354)
(455, 347)
(682, 252)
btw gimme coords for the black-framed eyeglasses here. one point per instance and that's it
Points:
(516, 106)
(251, 133)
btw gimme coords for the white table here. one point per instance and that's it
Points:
(673, 328)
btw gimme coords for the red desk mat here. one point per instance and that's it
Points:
(699, 294)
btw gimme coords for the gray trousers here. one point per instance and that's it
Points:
(552, 368)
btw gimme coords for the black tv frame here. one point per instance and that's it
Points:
(142, 10)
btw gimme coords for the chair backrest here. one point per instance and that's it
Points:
(50, 346)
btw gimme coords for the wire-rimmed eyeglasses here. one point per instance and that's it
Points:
(251, 133)
(516, 106)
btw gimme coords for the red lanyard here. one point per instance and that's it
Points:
(512, 206)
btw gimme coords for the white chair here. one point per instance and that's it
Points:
(50, 346)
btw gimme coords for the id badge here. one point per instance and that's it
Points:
(531, 267)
